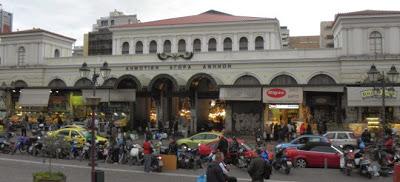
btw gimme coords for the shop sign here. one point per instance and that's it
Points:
(178, 67)
(369, 96)
(286, 95)
(240, 94)
(283, 106)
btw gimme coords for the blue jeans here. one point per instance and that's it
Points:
(147, 162)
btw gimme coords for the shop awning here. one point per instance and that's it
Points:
(123, 95)
(103, 94)
(34, 97)
(240, 94)
(112, 95)
(324, 89)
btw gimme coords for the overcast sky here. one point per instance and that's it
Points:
(73, 18)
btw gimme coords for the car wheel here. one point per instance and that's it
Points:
(301, 163)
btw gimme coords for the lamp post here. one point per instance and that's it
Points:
(93, 101)
(380, 80)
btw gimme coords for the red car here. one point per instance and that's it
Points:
(206, 149)
(314, 155)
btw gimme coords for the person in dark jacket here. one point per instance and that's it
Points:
(214, 171)
(223, 145)
(258, 169)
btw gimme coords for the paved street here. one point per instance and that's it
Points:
(19, 168)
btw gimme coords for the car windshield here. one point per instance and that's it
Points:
(85, 133)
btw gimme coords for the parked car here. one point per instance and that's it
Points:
(79, 135)
(345, 139)
(314, 154)
(206, 149)
(301, 140)
(195, 140)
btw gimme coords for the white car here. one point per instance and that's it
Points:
(345, 139)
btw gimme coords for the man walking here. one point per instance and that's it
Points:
(147, 151)
(259, 169)
(214, 171)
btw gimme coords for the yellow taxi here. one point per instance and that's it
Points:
(80, 135)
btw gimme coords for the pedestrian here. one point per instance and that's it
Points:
(223, 145)
(309, 129)
(259, 169)
(276, 131)
(147, 151)
(59, 121)
(214, 171)
(302, 128)
(268, 132)
(24, 125)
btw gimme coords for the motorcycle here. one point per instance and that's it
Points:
(184, 158)
(157, 163)
(135, 155)
(281, 162)
(244, 158)
(349, 163)
(22, 144)
(36, 146)
(5, 145)
(85, 153)
(364, 165)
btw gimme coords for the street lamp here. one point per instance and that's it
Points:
(93, 101)
(379, 81)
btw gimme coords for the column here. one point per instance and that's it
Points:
(146, 46)
(174, 45)
(189, 44)
(204, 43)
(235, 43)
(160, 45)
(132, 46)
(220, 43)
(228, 117)
(251, 42)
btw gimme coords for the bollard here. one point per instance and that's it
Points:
(99, 176)
(396, 174)
(326, 163)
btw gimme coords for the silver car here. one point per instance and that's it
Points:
(345, 139)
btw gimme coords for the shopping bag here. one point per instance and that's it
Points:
(201, 178)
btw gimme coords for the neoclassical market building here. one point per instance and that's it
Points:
(209, 68)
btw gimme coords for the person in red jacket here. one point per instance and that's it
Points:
(147, 151)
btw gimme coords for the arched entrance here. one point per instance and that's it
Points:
(57, 83)
(125, 109)
(204, 104)
(323, 100)
(162, 107)
(246, 114)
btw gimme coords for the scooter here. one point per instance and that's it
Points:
(157, 163)
(349, 163)
(281, 162)
(136, 155)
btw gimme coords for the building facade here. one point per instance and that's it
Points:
(6, 21)
(219, 70)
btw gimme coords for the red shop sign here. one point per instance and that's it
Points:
(276, 93)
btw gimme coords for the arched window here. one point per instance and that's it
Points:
(56, 53)
(321, 79)
(247, 80)
(243, 44)
(375, 42)
(125, 48)
(21, 56)
(181, 46)
(153, 47)
(196, 45)
(259, 43)
(212, 45)
(227, 44)
(283, 80)
(139, 47)
(167, 46)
